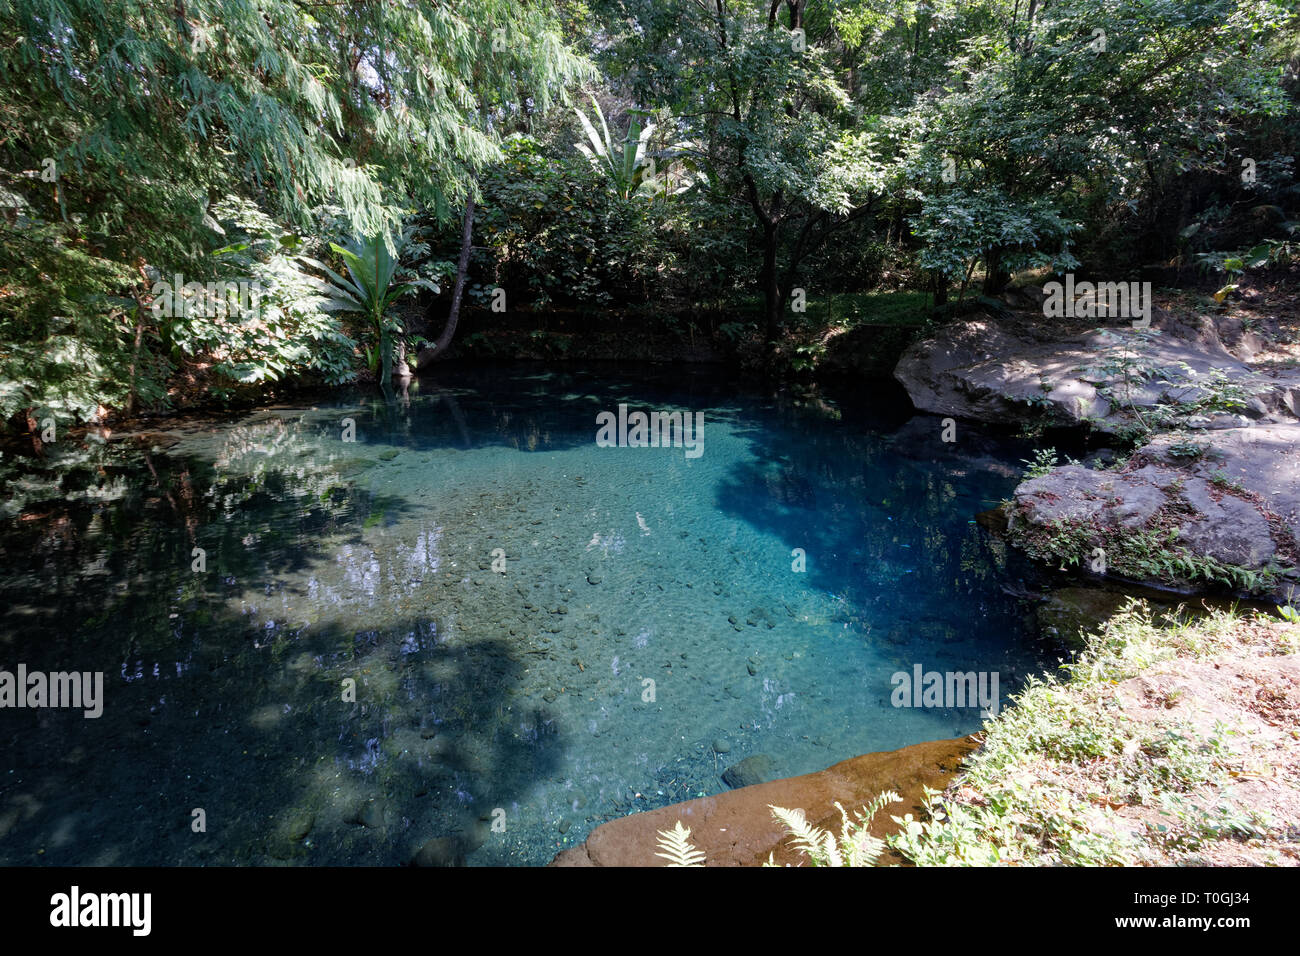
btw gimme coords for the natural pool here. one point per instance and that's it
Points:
(502, 591)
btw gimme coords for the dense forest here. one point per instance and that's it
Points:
(214, 198)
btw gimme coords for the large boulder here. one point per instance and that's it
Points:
(1213, 495)
(1023, 368)
(750, 771)
(737, 828)
(1231, 495)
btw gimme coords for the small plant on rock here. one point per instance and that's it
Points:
(855, 845)
(1044, 461)
(675, 847)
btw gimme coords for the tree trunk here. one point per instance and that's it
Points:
(995, 277)
(427, 355)
(34, 430)
(400, 368)
(385, 359)
(771, 291)
(939, 286)
(137, 346)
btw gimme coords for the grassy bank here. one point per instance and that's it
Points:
(1167, 742)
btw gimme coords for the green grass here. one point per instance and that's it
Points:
(1057, 765)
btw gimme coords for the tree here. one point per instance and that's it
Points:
(1073, 112)
(758, 91)
(126, 122)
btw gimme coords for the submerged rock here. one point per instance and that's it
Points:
(440, 851)
(299, 824)
(349, 467)
(750, 771)
(291, 829)
(369, 814)
(1073, 613)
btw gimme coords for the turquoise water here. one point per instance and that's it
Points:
(543, 634)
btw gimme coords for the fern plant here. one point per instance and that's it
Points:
(855, 845)
(675, 847)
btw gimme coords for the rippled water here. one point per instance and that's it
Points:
(649, 607)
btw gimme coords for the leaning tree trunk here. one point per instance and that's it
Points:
(435, 350)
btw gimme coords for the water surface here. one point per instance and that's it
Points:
(650, 605)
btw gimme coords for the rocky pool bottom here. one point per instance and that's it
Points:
(470, 634)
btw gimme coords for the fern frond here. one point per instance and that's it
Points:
(878, 804)
(676, 848)
(804, 837)
(862, 848)
(830, 850)
(855, 846)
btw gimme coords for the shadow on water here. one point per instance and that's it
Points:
(521, 407)
(877, 511)
(872, 505)
(480, 697)
(210, 704)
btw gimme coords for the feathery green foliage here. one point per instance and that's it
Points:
(126, 124)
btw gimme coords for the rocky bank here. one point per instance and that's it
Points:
(1202, 485)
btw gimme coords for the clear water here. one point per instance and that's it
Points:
(519, 698)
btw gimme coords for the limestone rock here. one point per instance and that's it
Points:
(1016, 370)
(1236, 500)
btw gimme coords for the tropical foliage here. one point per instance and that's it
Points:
(854, 846)
(675, 846)
(720, 154)
(127, 125)
(371, 287)
(623, 163)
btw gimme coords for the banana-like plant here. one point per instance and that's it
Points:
(624, 164)
(370, 288)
